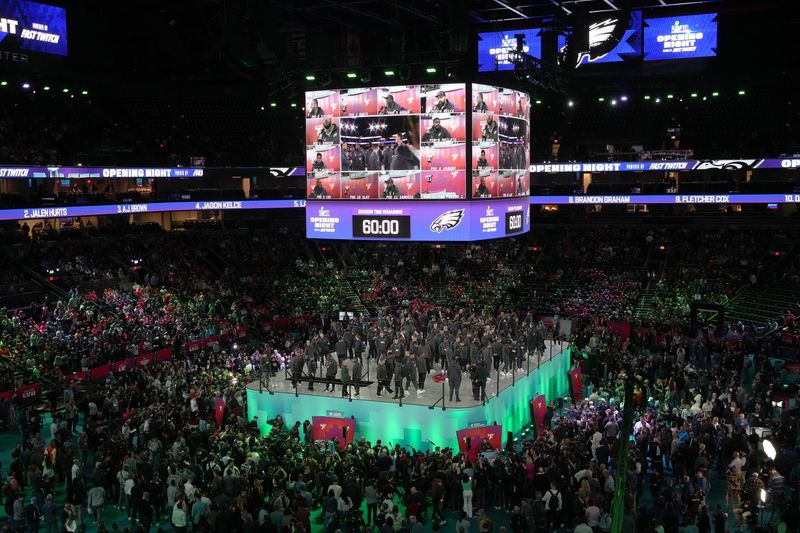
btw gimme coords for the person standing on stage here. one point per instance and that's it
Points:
(454, 380)
(341, 350)
(384, 377)
(347, 337)
(411, 371)
(399, 367)
(330, 375)
(422, 371)
(298, 362)
(358, 345)
(356, 374)
(347, 367)
(311, 364)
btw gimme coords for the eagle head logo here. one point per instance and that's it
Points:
(447, 220)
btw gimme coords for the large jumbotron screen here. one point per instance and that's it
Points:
(397, 142)
(409, 142)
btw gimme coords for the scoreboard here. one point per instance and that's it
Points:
(431, 162)
(418, 221)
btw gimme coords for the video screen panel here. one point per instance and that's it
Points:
(493, 48)
(601, 36)
(500, 142)
(376, 143)
(683, 37)
(33, 27)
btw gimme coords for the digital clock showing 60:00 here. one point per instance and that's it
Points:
(381, 227)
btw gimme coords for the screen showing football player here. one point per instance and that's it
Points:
(316, 110)
(390, 107)
(405, 154)
(318, 191)
(329, 133)
(482, 191)
(491, 130)
(437, 132)
(443, 105)
(357, 158)
(482, 161)
(480, 105)
(319, 163)
(390, 190)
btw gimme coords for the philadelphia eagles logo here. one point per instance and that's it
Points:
(725, 164)
(447, 220)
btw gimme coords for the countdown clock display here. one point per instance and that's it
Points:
(382, 226)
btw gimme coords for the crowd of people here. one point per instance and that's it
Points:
(171, 444)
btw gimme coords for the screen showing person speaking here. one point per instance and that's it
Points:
(394, 142)
(500, 142)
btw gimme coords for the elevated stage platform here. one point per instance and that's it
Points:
(421, 419)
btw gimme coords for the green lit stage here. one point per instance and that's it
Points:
(417, 425)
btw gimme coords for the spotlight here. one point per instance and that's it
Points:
(623, 98)
(388, 72)
(26, 85)
(570, 103)
(741, 92)
(310, 77)
(293, 104)
(46, 88)
(601, 99)
(351, 75)
(658, 100)
(84, 92)
(670, 96)
(3, 83)
(769, 449)
(647, 97)
(763, 496)
(431, 70)
(235, 346)
(715, 93)
(273, 104)
(613, 101)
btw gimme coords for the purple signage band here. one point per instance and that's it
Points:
(691, 164)
(668, 199)
(127, 209)
(123, 173)
(417, 221)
